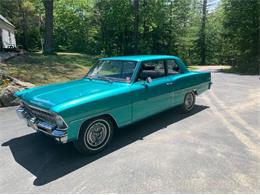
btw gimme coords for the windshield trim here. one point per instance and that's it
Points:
(113, 79)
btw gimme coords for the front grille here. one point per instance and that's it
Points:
(40, 114)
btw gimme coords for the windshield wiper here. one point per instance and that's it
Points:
(103, 78)
(88, 77)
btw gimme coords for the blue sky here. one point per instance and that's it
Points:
(213, 4)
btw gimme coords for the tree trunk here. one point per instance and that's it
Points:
(48, 31)
(136, 26)
(145, 37)
(203, 34)
(24, 26)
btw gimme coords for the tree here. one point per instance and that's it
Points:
(214, 39)
(241, 34)
(136, 26)
(74, 26)
(191, 29)
(202, 35)
(48, 31)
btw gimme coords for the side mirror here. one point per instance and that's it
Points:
(149, 79)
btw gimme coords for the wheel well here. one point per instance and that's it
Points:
(111, 118)
(195, 92)
(103, 115)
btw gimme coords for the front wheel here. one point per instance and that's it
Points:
(94, 135)
(189, 101)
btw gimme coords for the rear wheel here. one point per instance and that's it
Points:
(189, 101)
(94, 135)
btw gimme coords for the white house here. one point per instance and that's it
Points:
(7, 34)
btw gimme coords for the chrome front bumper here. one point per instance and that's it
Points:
(42, 126)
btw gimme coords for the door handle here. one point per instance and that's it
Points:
(170, 83)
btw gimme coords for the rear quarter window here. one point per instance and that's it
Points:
(172, 67)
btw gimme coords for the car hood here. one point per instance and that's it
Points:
(52, 95)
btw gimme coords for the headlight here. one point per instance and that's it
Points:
(60, 122)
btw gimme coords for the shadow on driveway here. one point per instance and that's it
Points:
(48, 161)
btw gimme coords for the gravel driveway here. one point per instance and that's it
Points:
(214, 149)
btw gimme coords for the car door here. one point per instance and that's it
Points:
(153, 96)
(176, 74)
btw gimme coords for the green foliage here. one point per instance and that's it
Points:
(162, 26)
(214, 38)
(72, 26)
(117, 27)
(113, 20)
(241, 34)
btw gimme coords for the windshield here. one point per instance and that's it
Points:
(111, 70)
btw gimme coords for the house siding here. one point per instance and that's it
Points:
(8, 35)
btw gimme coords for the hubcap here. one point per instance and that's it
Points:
(189, 100)
(96, 134)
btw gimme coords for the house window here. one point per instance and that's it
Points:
(10, 40)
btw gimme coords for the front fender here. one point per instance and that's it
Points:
(119, 107)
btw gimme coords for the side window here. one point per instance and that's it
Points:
(172, 67)
(153, 69)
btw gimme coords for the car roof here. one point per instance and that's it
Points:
(141, 57)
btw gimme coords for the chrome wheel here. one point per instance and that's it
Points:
(97, 134)
(94, 135)
(189, 101)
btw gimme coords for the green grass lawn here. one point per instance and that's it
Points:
(40, 69)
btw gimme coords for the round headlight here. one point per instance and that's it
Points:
(60, 123)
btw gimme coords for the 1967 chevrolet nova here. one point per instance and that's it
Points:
(116, 92)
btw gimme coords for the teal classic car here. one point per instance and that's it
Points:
(117, 91)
